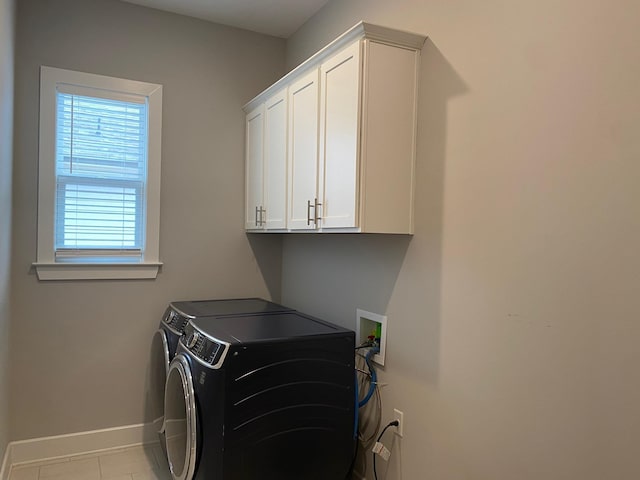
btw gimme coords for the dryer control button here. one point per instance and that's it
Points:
(193, 339)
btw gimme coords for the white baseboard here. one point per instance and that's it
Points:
(48, 448)
(6, 463)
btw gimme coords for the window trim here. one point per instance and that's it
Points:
(88, 268)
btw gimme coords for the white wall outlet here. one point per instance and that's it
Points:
(399, 416)
(368, 323)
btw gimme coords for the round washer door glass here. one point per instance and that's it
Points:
(159, 369)
(180, 419)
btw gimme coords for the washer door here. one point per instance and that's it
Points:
(159, 369)
(180, 419)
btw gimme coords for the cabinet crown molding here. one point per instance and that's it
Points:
(361, 30)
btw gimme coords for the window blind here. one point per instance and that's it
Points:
(101, 170)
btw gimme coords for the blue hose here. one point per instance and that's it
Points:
(374, 376)
(356, 419)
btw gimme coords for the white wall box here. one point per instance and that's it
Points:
(351, 131)
(367, 324)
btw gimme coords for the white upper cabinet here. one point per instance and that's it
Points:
(303, 151)
(387, 138)
(254, 189)
(350, 126)
(266, 165)
(339, 128)
(275, 161)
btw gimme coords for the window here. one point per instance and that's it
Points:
(99, 177)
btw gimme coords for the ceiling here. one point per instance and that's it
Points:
(279, 18)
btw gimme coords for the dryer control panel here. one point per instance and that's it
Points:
(175, 320)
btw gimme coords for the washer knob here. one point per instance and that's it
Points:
(193, 339)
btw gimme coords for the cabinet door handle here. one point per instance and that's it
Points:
(316, 217)
(256, 215)
(309, 219)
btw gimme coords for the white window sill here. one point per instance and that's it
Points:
(96, 270)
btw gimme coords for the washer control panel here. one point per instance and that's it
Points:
(202, 346)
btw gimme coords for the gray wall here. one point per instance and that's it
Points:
(6, 129)
(81, 348)
(513, 311)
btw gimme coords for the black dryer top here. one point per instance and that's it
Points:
(232, 306)
(268, 327)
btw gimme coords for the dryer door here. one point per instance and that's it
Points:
(159, 369)
(180, 419)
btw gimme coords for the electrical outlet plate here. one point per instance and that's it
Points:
(366, 324)
(398, 415)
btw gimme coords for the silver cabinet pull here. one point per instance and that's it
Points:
(316, 216)
(256, 215)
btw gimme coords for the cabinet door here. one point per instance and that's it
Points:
(339, 138)
(254, 173)
(275, 161)
(303, 150)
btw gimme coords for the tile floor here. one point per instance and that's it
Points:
(134, 463)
